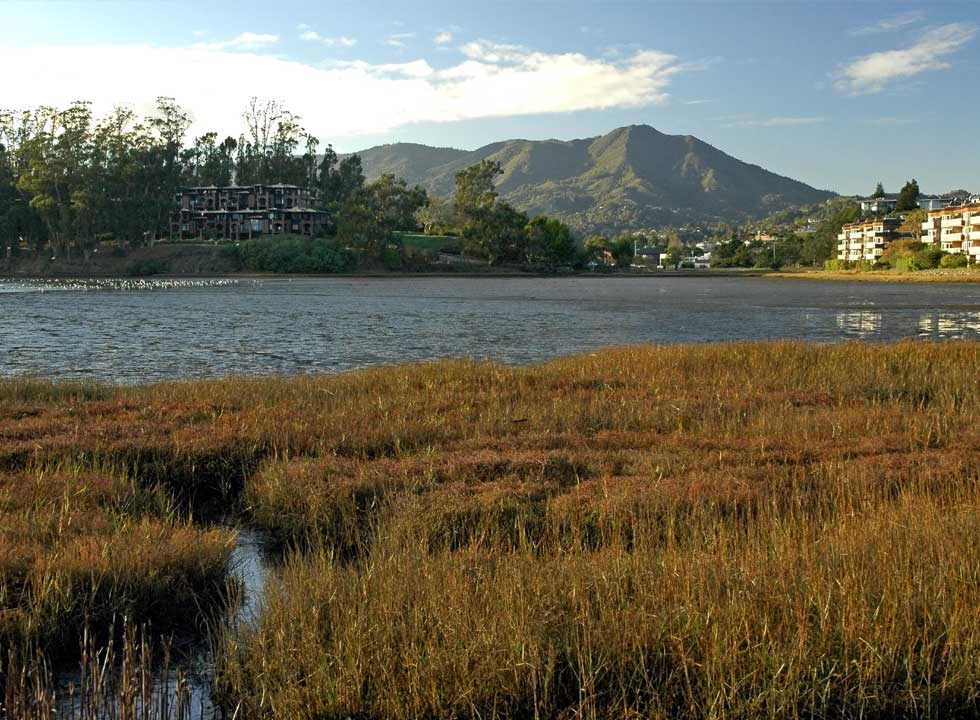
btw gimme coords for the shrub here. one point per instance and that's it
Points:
(899, 249)
(391, 258)
(835, 265)
(928, 258)
(291, 254)
(954, 261)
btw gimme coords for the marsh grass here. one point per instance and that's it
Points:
(79, 547)
(128, 678)
(741, 530)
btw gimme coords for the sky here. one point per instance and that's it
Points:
(839, 95)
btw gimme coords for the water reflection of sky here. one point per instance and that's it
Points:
(331, 324)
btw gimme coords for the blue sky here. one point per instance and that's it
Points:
(838, 95)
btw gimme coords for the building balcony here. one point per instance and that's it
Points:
(953, 223)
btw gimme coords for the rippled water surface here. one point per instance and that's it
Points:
(134, 332)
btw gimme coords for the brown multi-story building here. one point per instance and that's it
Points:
(237, 212)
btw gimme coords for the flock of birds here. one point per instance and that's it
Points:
(119, 284)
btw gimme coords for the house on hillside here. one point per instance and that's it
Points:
(933, 202)
(810, 227)
(238, 212)
(879, 204)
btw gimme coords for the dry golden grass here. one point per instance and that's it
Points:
(943, 275)
(81, 547)
(745, 530)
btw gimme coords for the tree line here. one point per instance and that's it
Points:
(69, 179)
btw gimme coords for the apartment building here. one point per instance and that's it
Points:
(955, 229)
(866, 240)
(236, 212)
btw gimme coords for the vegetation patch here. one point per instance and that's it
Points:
(781, 530)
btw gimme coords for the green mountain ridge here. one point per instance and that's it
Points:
(634, 177)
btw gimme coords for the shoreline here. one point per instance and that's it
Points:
(922, 276)
(388, 275)
(511, 275)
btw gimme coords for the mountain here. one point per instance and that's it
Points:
(632, 178)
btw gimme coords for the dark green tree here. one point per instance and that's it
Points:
(360, 224)
(475, 191)
(350, 177)
(623, 247)
(821, 244)
(397, 203)
(908, 197)
(549, 242)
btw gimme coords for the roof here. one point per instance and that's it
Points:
(227, 188)
(867, 223)
(971, 206)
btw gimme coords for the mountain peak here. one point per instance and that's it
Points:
(633, 177)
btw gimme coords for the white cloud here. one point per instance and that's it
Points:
(486, 51)
(443, 38)
(398, 39)
(339, 99)
(872, 73)
(338, 41)
(780, 121)
(890, 24)
(244, 41)
(699, 102)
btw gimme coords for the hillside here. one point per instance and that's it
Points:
(633, 177)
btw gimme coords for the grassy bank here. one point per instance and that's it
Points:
(776, 530)
(186, 259)
(969, 274)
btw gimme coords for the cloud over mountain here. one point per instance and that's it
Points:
(338, 99)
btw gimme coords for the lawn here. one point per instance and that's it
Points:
(429, 243)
